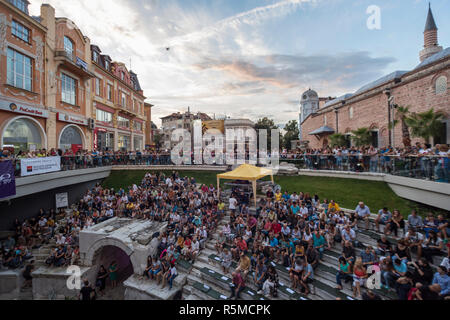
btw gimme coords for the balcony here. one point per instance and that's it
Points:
(125, 110)
(73, 64)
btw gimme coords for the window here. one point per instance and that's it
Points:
(110, 92)
(68, 89)
(68, 47)
(124, 100)
(19, 70)
(95, 56)
(122, 75)
(20, 31)
(97, 86)
(123, 122)
(19, 4)
(124, 142)
(441, 85)
(106, 64)
(325, 119)
(137, 126)
(350, 113)
(69, 137)
(23, 134)
(104, 116)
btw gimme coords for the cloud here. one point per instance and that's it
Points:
(290, 71)
(217, 63)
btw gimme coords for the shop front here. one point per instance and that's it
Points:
(22, 126)
(103, 140)
(71, 136)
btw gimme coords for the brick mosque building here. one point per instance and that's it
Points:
(424, 87)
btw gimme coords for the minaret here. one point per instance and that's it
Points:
(431, 45)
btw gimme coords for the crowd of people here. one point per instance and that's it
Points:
(295, 230)
(192, 213)
(291, 229)
(420, 160)
(82, 159)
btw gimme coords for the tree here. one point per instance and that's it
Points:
(362, 137)
(157, 139)
(291, 134)
(401, 116)
(338, 139)
(425, 124)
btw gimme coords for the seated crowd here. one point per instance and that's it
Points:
(192, 213)
(292, 230)
(295, 231)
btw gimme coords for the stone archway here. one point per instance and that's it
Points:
(98, 253)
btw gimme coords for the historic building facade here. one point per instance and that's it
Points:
(58, 91)
(23, 112)
(118, 105)
(179, 121)
(68, 74)
(424, 87)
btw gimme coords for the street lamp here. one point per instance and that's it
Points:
(387, 92)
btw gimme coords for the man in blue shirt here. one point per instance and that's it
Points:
(443, 280)
(363, 213)
(319, 243)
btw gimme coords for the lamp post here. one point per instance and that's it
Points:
(387, 92)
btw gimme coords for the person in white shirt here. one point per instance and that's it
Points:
(415, 240)
(42, 222)
(195, 248)
(363, 212)
(303, 210)
(232, 205)
(60, 239)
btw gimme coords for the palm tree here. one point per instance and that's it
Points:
(338, 139)
(362, 137)
(401, 115)
(425, 124)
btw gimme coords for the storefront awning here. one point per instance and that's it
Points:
(322, 130)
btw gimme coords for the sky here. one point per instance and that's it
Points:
(253, 58)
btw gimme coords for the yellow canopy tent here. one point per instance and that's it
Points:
(245, 172)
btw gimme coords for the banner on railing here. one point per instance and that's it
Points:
(32, 166)
(7, 179)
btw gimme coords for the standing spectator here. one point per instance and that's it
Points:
(87, 293)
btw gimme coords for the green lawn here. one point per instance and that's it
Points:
(126, 178)
(346, 192)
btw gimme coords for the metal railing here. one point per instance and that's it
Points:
(430, 167)
(433, 168)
